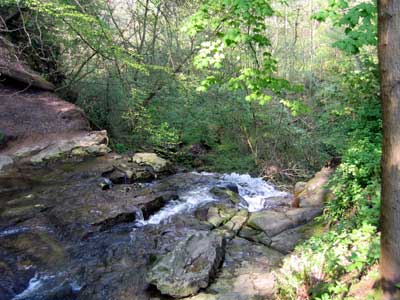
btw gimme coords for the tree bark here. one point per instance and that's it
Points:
(389, 65)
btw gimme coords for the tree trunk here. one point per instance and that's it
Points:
(389, 65)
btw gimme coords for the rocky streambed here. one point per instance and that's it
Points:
(110, 228)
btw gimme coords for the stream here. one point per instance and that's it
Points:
(255, 191)
(66, 238)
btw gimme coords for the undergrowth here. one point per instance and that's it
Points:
(326, 266)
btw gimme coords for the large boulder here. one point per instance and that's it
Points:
(314, 192)
(159, 165)
(140, 167)
(278, 228)
(247, 273)
(190, 266)
(271, 222)
(220, 214)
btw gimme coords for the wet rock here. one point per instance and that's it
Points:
(150, 204)
(12, 279)
(49, 288)
(112, 264)
(25, 250)
(190, 266)
(227, 193)
(105, 184)
(233, 187)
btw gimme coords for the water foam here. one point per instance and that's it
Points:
(255, 191)
(188, 201)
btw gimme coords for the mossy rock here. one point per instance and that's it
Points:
(227, 194)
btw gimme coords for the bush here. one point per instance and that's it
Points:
(324, 267)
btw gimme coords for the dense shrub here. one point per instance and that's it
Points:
(325, 266)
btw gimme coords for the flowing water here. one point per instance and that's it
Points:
(124, 241)
(257, 194)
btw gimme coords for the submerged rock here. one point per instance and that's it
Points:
(228, 193)
(190, 266)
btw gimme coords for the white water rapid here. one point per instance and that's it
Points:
(255, 191)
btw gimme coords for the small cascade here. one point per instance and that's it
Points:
(139, 218)
(257, 193)
(48, 282)
(13, 231)
(187, 202)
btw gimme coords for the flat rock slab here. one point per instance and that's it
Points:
(190, 266)
(271, 222)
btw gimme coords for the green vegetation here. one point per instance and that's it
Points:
(275, 88)
(327, 265)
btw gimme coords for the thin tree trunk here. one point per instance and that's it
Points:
(389, 64)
